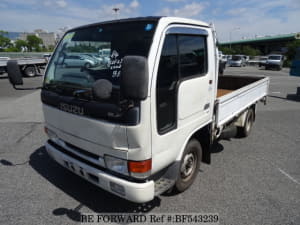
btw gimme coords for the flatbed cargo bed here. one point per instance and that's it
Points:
(237, 93)
(25, 61)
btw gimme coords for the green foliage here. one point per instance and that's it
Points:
(2, 32)
(11, 49)
(4, 41)
(292, 46)
(247, 50)
(19, 44)
(34, 43)
(287, 63)
(240, 50)
(50, 48)
(227, 50)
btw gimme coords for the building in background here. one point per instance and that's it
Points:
(267, 44)
(49, 38)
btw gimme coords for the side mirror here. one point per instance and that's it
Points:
(14, 74)
(134, 77)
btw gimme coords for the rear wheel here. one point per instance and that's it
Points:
(30, 71)
(246, 129)
(189, 165)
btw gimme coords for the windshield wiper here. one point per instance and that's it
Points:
(59, 84)
(83, 94)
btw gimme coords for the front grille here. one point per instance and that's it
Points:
(72, 155)
(81, 151)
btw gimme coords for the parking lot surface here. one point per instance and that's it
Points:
(254, 180)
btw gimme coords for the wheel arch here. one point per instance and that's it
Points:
(203, 135)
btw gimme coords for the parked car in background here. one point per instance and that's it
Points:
(224, 58)
(246, 57)
(237, 60)
(262, 61)
(83, 60)
(274, 61)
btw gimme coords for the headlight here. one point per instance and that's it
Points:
(115, 164)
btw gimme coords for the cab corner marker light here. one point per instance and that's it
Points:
(140, 166)
(46, 130)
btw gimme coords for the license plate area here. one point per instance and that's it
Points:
(80, 171)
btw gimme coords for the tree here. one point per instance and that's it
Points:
(51, 48)
(227, 50)
(4, 41)
(243, 50)
(291, 52)
(34, 42)
(21, 44)
(11, 49)
(247, 50)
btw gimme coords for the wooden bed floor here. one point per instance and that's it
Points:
(222, 92)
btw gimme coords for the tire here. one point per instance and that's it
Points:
(189, 166)
(30, 71)
(87, 65)
(246, 129)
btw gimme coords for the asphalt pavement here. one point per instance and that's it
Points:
(254, 180)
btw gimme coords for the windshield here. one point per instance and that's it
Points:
(236, 58)
(275, 57)
(96, 52)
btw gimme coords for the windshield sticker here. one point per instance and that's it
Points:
(114, 54)
(148, 27)
(115, 64)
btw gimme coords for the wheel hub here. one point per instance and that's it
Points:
(249, 122)
(188, 165)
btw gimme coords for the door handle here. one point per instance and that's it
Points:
(206, 106)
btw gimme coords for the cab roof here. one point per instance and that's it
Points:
(163, 19)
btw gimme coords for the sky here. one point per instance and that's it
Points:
(234, 20)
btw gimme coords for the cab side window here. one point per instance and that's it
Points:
(167, 78)
(193, 55)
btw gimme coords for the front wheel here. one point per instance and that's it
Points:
(189, 165)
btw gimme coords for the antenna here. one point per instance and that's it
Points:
(116, 11)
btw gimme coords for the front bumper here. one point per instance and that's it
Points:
(135, 192)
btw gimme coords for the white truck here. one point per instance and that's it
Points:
(143, 125)
(29, 67)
